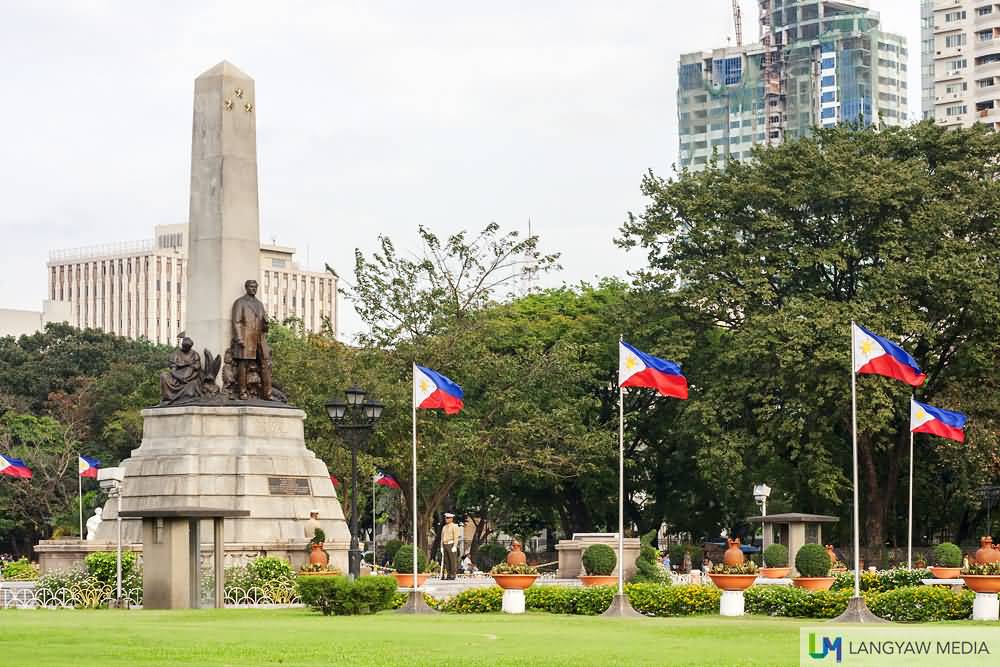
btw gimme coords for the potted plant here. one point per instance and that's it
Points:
(983, 577)
(734, 577)
(813, 564)
(316, 554)
(514, 577)
(776, 562)
(599, 561)
(947, 561)
(403, 564)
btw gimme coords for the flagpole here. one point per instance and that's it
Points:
(621, 489)
(909, 529)
(374, 561)
(416, 544)
(79, 489)
(854, 447)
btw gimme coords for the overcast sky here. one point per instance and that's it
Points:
(372, 117)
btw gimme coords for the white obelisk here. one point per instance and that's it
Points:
(224, 230)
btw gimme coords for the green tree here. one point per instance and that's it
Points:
(895, 229)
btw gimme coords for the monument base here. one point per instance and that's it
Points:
(240, 457)
(731, 603)
(416, 604)
(986, 607)
(513, 601)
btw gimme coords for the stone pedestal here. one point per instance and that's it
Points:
(986, 607)
(237, 457)
(513, 601)
(731, 604)
(571, 552)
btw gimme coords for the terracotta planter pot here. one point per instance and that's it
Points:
(986, 552)
(983, 583)
(514, 581)
(775, 572)
(405, 579)
(317, 556)
(733, 582)
(814, 583)
(734, 555)
(599, 579)
(946, 572)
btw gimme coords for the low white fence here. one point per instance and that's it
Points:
(26, 595)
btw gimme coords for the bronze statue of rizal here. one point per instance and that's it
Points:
(249, 341)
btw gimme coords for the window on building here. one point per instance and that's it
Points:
(951, 41)
(690, 76)
(956, 110)
(952, 88)
(828, 63)
(985, 83)
(828, 81)
(984, 35)
(830, 96)
(951, 17)
(987, 59)
(983, 11)
(956, 64)
(830, 112)
(278, 263)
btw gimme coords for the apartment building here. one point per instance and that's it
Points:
(962, 69)
(818, 63)
(139, 289)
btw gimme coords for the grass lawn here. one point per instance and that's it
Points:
(299, 637)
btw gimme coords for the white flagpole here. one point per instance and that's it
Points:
(854, 443)
(416, 543)
(79, 489)
(909, 530)
(374, 561)
(621, 489)
(621, 478)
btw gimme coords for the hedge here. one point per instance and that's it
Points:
(915, 603)
(882, 580)
(343, 597)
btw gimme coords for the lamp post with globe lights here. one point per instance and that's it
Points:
(354, 419)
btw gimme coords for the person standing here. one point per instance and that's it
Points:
(311, 525)
(450, 535)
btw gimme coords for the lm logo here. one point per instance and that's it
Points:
(828, 645)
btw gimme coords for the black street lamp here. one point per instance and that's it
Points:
(354, 421)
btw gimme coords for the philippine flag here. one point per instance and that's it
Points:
(385, 479)
(334, 480)
(945, 423)
(89, 466)
(14, 467)
(874, 355)
(432, 390)
(638, 369)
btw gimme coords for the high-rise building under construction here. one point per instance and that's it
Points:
(817, 63)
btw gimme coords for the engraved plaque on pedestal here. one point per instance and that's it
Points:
(288, 486)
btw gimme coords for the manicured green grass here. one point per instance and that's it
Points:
(299, 637)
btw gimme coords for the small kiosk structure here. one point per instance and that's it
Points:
(793, 530)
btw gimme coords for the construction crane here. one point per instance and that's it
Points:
(738, 22)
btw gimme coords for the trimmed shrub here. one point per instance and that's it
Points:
(403, 562)
(390, 548)
(660, 600)
(882, 580)
(103, 567)
(270, 569)
(795, 602)
(343, 597)
(647, 565)
(947, 554)
(812, 561)
(476, 601)
(922, 603)
(776, 555)
(19, 570)
(599, 559)
(490, 555)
